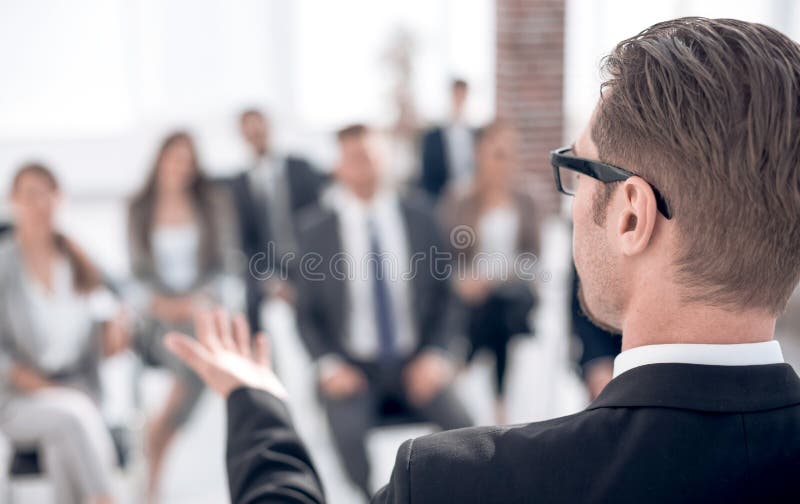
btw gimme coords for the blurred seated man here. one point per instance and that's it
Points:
(268, 198)
(375, 326)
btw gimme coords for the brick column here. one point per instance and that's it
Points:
(530, 86)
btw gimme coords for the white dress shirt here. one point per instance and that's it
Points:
(263, 176)
(362, 340)
(498, 229)
(269, 178)
(460, 152)
(175, 250)
(738, 354)
(62, 317)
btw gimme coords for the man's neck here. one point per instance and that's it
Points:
(263, 159)
(674, 322)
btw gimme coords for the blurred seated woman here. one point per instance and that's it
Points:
(493, 230)
(176, 226)
(51, 343)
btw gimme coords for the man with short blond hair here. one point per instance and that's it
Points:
(686, 192)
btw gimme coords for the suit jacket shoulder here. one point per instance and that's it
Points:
(529, 456)
(312, 218)
(658, 433)
(661, 433)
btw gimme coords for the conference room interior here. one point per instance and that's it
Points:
(447, 103)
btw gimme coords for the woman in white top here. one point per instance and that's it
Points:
(51, 342)
(494, 234)
(177, 226)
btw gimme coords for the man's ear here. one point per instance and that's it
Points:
(637, 218)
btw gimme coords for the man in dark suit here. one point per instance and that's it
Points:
(691, 252)
(448, 150)
(268, 198)
(378, 330)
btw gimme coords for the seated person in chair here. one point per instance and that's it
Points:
(495, 238)
(49, 348)
(375, 327)
(179, 228)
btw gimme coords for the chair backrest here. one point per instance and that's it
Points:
(25, 462)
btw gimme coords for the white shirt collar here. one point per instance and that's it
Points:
(739, 354)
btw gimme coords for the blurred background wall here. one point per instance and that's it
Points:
(89, 86)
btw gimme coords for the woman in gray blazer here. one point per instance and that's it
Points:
(51, 342)
(179, 225)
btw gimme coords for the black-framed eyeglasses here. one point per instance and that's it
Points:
(566, 165)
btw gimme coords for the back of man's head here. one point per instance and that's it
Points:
(708, 111)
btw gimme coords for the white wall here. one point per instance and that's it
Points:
(90, 86)
(595, 26)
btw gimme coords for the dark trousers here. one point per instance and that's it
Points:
(351, 418)
(494, 322)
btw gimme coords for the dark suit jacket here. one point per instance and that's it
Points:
(305, 185)
(435, 162)
(661, 433)
(322, 303)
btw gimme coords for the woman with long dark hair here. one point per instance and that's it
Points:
(492, 224)
(177, 226)
(52, 338)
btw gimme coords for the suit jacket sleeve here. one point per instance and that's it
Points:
(7, 346)
(266, 460)
(398, 491)
(311, 320)
(444, 326)
(246, 215)
(433, 176)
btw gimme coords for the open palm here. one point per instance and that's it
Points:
(224, 355)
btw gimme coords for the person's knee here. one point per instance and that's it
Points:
(447, 410)
(349, 434)
(74, 414)
(348, 420)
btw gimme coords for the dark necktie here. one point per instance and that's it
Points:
(384, 312)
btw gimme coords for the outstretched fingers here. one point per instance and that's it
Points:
(263, 353)
(241, 335)
(206, 331)
(222, 324)
(196, 355)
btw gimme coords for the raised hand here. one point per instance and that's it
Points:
(224, 355)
